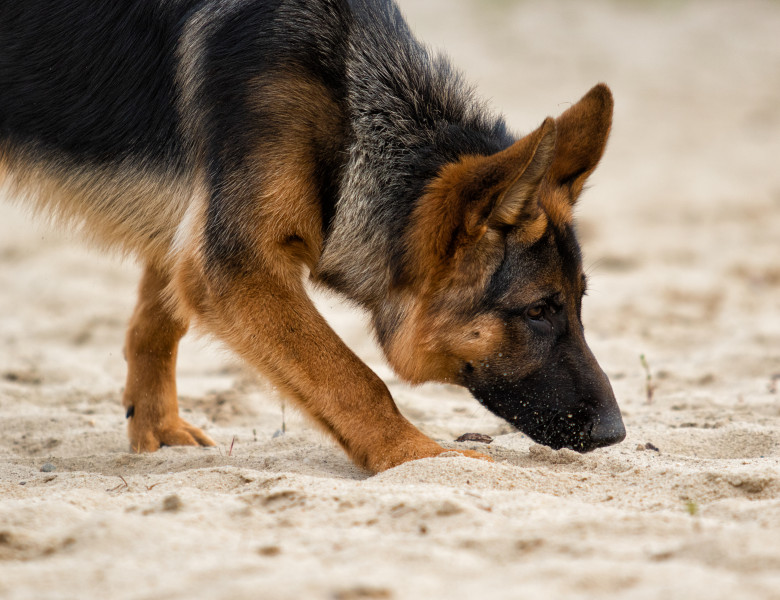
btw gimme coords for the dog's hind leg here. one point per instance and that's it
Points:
(150, 394)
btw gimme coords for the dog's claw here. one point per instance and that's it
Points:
(178, 433)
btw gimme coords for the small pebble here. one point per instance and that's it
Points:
(172, 503)
(48, 468)
(269, 551)
(278, 433)
(475, 437)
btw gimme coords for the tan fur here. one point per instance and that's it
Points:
(288, 208)
(557, 205)
(126, 208)
(150, 393)
(532, 231)
(431, 345)
(187, 291)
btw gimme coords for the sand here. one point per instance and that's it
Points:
(681, 234)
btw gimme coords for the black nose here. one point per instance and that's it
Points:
(607, 431)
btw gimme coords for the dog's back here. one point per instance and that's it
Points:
(92, 80)
(109, 110)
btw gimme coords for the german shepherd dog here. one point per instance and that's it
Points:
(235, 146)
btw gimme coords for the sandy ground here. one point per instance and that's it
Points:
(681, 231)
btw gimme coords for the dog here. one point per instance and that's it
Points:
(236, 146)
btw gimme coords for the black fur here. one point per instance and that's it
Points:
(92, 79)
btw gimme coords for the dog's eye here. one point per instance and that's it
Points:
(536, 312)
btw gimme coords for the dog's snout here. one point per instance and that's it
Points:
(608, 430)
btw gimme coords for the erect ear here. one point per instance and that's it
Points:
(582, 136)
(526, 162)
(479, 193)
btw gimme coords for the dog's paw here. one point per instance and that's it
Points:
(416, 450)
(145, 438)
(467, 453)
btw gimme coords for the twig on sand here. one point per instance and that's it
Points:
(121, 486)
(773, 381)
(649, 385)
(230, 452)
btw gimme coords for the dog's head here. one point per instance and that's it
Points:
(495, 289)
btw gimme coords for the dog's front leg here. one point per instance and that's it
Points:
(150, 393)
(271, 322)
